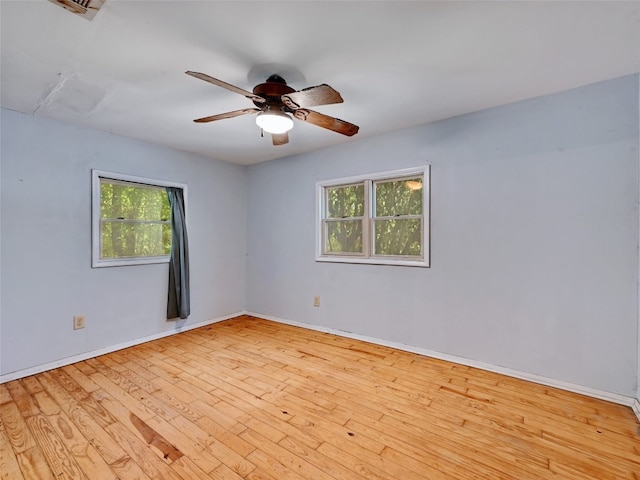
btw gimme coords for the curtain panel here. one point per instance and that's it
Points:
(178, 302)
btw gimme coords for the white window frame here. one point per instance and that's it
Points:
(96, 237)
(367, 256)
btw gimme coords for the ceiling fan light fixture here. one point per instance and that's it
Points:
(414, 184)
(274, 122)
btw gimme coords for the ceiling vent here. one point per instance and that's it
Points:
(83, 8)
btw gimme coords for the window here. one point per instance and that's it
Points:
(131, 220)
(381, 219)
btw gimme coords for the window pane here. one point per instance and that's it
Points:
(398, 197)
(344, 236)
(122, 239)
(345, 201)
(398, 237)
(133, 202)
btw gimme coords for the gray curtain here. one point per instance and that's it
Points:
(178, 302)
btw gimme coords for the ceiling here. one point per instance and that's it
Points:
(396, 64)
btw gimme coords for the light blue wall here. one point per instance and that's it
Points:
(46, 246)
(534, 239)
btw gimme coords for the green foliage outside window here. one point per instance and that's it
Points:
(344, 236)
(134, 220)
(399, 235)
(345, 209)
(345, 201)
(396, 222)
(403, 197)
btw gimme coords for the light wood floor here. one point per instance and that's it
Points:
(253, 399)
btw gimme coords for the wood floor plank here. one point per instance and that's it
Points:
(171, 396)
(85, 368)
(31, 384)
(265, 418)
(323, 428)
(482, 450)
(138, 450)
(254, 418)
(196, 452)
(127, 469)
(317, 459)
(33, 465)
(122, 396)
(157, 445)
(91, 429)
(9, 466)
(139, 396)
(215, 447)
(227, 416)
(363, 467)
(88, 458)
(188, 470)
(61, 462)
(230, 439)
(5, 396)
(46, 404)
(225, 473)
(80, 377)
(289, 459)
(15, 427)
(23, 399)
(444, 458)
(269, 468)
(252, 399)
(81, 396)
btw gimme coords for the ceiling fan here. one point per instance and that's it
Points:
(277, 102)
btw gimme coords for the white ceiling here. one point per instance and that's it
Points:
(396, 64)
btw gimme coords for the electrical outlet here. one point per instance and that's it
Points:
(78, 322)
(316, 301)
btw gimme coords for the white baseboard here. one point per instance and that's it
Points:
(634, 403)
(95, 353)
(550, 382)
(636, 407)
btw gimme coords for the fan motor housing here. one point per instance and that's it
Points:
(271, 91)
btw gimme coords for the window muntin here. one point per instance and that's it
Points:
(382, 219)
(131, 220)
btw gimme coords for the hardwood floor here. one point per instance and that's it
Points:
(248, 398)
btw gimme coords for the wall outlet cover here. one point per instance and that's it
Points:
(78, 322)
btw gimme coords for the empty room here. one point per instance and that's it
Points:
(328, 240)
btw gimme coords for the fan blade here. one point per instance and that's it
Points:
(228, 86)
(325, 121)
(221, 116)
(311, 97)
(280, 138)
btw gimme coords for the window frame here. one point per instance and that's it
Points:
(96, 237)
(368, 235)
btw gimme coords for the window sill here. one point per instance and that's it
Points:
(123, 262)
(375, 261)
